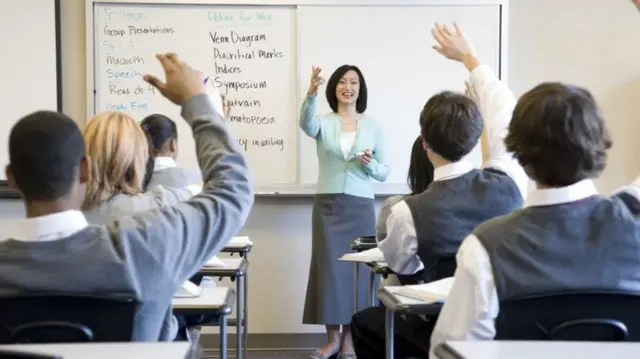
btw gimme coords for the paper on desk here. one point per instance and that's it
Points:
(215, 262)
(368, 256)
(241, 241)
(432, 292)
(188, 290)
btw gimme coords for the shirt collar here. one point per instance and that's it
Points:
(47, 228)
(162, 163)
(452, 170)
(550, 196)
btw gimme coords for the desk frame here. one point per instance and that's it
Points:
(241, 277)
(392, 306)
(358, 246)
(222, 312)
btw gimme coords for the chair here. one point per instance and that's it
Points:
(571, 316)
(66, 318)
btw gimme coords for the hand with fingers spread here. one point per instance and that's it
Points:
(182, 81)
(453, 45)
(316, 81)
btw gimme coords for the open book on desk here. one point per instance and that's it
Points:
(188, 290)
(215, 262)
(369, 256)
(433, 292)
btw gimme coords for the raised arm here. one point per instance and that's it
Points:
(182, 238)
(309, 122)
(495, 100)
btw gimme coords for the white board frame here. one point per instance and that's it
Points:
(382, 190)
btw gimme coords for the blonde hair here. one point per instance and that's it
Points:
(119, 152)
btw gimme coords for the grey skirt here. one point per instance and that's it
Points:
(337, 220)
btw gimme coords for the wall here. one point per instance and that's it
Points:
(589, 42)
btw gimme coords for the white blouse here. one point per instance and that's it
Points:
(347, 139)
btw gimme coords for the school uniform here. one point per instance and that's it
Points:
(381, 231)
(426, 230)
(343, 210)
(567, 238)
(62, 253)
(166, 173)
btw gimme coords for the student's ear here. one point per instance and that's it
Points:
(173, 145)
(84, 169)
(11, 181)
(425, 146)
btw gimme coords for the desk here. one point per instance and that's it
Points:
(537, 350)
(237, 270)
(212, 300)
(402, 305)
(360, 245)
(240, 245)
(175, 350)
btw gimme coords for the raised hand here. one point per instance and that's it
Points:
(226, 106)
(636, 3)
(182, 81)
(316, 81)
(453, 45)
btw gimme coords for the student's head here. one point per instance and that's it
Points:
(450, 125)
(420, 169)
(119, 151)
(558, 135)
(163, 134)
(47, 161)
(346, 87)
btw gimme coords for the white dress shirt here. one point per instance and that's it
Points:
(496, 103)
(46, 228)
(162, 163)
(472, 306)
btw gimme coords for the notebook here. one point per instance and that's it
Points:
(215, 262)
(240, 241)
(188, 290)
(368, 256)
(433, 292)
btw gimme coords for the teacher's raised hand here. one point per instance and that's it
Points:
(316, 81)
(453, 45)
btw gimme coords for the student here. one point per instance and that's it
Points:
(149, 254)
(119, 152)
(420, 175)
(425, 231)
(163, 136)
(568, 237)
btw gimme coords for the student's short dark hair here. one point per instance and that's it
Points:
(45, 150)
(332, 84)
(160, 129)
(451, 125)
(420, 173)
(558, 135)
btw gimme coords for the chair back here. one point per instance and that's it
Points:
(66, 318)
(571, 316)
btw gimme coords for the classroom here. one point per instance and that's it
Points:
(87, 57)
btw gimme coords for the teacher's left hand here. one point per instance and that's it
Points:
(366, 158)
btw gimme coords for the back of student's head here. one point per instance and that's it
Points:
(45, 153)
(420, 169)
(162, 130)
(119, 151)
(558, 135)
(451, 125)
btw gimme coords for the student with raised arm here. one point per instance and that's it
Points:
(426, 230)
(148, 254)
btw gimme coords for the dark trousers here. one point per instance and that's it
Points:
(412, 334)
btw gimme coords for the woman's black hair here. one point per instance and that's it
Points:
(160, 129)
(151, 163)
(332, 84)
(420, 169)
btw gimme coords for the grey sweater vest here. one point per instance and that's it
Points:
(593, 243)
(448, 211)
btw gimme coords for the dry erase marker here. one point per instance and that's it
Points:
(359, 153)
(206, 79)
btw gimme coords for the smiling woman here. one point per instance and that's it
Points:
(351, 155)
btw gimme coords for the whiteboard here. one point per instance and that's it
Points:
(261, 52)
(30, 36)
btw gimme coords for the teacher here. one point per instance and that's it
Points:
(351, 153)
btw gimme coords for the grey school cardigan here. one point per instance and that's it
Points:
(152, 253)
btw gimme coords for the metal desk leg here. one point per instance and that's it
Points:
(388, 333)
(223, 337)
(372, 291)
(239, 294)
(356, 270)
(245, 309)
